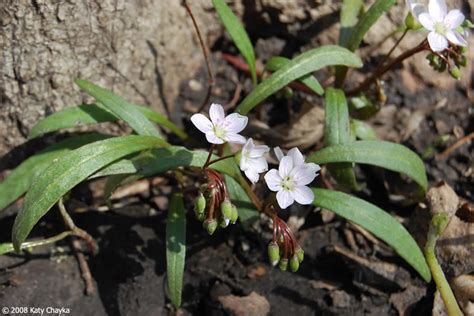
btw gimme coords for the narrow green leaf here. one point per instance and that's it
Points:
(238, 34)
(298, 67)
(277, 62)
(366, 21)
(6, 248)
(362, 130)
(357, 33)
(376, 221)
(86, 114)
(19, 180)
(121, 108)
(164, 159)
(349, 13)
(247, 212)
(384, 154)
(69, 170)
(337, 132)
(176, 248)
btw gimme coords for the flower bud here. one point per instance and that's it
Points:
(467, 24)
(200, 204)
(283, 265)
(224, 222)
(226, 209)
(200, 217)
(294, 263)
(455, 72)
(411, 23)
(273, 253)
(300, 254)
(234, 215)
(462, 61)
(210, 225)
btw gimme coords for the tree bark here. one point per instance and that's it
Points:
(140, 49)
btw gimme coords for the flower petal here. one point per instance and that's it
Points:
(415, 8)
(313, 167)
(273, 180)
(259, 164)
(244, 163)
(286, 165)
(213, 139)
(296, 155)
(259, 151)
(216, 112)
(303, 195)
(453, 19)
(437, 42)
(427, 21)
(437, 9)
(456, 38)
(201, 122)
(252, 175)
(278, 153)
(234, 138)
(235, 122)
(302, 175)
(284, 199)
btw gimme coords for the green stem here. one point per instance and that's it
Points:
(437, 226)
(8, 247)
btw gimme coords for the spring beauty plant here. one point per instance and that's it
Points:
(237, 168)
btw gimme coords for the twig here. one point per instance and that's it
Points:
(464, 140)
(76, 231)
(84, 267)
(204, 49)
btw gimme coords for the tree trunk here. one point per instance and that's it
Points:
(141, 49)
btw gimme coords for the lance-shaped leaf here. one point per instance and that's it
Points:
(69, 170)
(18, 182)
(376, 221)
(164, 159)
(384, 154)
(120, 108)
(349, 13)
(352, 39)
(366, 21)
(86, 114)
(176, 248)
(362, 130)
(337, 132)
(238, 34)
(277, 62)
(298, 67)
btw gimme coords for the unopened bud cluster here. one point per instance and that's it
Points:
(451, 59)
(212, 205)
(284, 250)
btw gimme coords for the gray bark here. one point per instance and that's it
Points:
(141, 49)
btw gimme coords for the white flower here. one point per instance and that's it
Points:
(298, 158)
(221, 128)
(442, 24)
(252, 162)
(291, 179)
